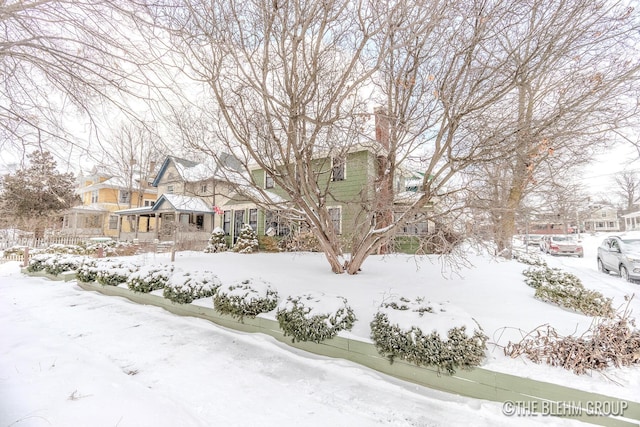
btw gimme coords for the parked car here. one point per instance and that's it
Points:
(620, 255)
(532, 239)
(561, 245)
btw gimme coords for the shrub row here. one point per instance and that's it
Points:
(566, 290)
(309, 317)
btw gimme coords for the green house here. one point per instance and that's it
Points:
(351, 184)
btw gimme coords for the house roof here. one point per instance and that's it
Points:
(172, 202)
(114, 182)
(191, 171)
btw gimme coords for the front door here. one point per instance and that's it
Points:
(238, 222)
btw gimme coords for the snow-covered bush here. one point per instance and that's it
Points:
(314, 317)
(112, 272)
(247, 298)
(88, 270)
(426, 333)
(184, 287)
(60, 263)
(217, 241)
(57, 248)
(38, 262)
(566, 290)
(247, 241)
(529, 258)
(150, 277)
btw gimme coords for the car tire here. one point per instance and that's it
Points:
(601, 267)
(624, 273)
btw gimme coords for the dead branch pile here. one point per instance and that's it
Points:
(608, 342)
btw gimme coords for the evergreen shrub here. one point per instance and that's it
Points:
(112, 272)
(246, 298)
(217, 241)
(314, 317)
(184, 287)
(38, 262)
(150, 277)
(60, 263)
(247, 241)
(88, 270)
(421, 332)
(566, 290)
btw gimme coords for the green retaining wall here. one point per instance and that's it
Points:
(519, 395)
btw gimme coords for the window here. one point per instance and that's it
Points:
(94, 196)
(337, 169)
(170, 189)
(93, 221)
(149, 203)
(199, 222)
(113, 222)
(336, 215)
(268, 181)
(253, 219)
(125, 196)
(275, 224)
(203, 189)
(226, 222)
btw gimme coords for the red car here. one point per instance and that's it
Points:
(561, 245)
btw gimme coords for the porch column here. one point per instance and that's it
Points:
(157, 219)
(136, 226)
(119, 226)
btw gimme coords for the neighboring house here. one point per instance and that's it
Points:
(101, 196)
(190, 194)
(602, 218)
(631, 221)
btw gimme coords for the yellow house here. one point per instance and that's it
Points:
(101, 196)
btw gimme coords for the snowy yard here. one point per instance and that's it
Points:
(71, 358)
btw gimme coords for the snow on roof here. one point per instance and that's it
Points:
(185, 203)
(83, 208)
(195, 171)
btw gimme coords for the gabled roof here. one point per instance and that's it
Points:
(189, 171)
(172, 202)
(181, 203)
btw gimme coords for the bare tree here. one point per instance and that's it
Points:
(628, 188)
(61, 61)
(524, 87)
(132, 154)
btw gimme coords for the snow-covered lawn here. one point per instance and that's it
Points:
(69, 357)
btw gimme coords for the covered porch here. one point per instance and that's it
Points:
(174, 218)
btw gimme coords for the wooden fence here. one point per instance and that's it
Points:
(519, 396)
(43, 242)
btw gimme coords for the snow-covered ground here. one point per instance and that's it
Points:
(69, 357)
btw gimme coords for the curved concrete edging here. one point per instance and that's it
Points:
(478, 383)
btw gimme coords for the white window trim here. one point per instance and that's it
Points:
(344, 173)
(266, 175)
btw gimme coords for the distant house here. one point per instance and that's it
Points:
(101, 196)
(602, 218)
(631, 221)
(186, 210)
